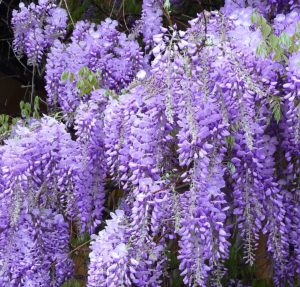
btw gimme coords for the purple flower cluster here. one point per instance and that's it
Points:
(100, 48)
(35, 252)
(37, 164)
(289, 173)
(211, 103)
(91, 169)
(36, 199)
(36, 27)
(115, 259)
(151, 20)
(133, 158)
(269, 8)
(110, 263)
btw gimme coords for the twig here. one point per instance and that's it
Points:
(26, 69)
(32, 87)
(72, 251)
(123, 4)
(112, 9)
(66, 4)
(166, 13)
(78, 247)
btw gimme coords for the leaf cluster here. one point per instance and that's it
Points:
(276, 46)
(27, 110)
(87, 82)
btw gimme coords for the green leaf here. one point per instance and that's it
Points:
(231, 167)
(260, 283)
(275, 104)
(286, 59)
(273, 41)
(285, 40)
(65, 76)
(261, 21)
(71, 283)
(98, 73)
(91, 77)
(83, 71)
(277, 56)
(230, 141)
(167, 5)
(254, 17)
(36, 101)
(266, 30)
(72, 77)
(36, 107)
(262, 49)
(80, 84)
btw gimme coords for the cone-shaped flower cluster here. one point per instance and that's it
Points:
(36, 27)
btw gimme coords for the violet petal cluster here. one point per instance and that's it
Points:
(36, 27)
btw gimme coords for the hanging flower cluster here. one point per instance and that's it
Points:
(36, 196)
(151, 20)
(268, 8)
(137, 171)
(35, 253)
(115, 261)
(91, 165)
(36, 27)
(214, 93)
(101, 48)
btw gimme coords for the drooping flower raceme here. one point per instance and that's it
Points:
(35, 252)
(35, 29)
(141, 177)
(151, 20)
(91, 165)
(36, 193)
(100, 48)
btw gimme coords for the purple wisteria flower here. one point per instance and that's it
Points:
(35, 29)
(98, 47)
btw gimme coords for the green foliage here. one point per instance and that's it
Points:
(275, 106)
(278, 47)
(173, 262)
(132, 6)
(262, 49)
(27, 111)
(230, 142)
(67, 76)
(112, 94)
(4, 124)
(260, 283)
(75, 11)
(79, 10)
(167, 5)
(104, 8)
(231, 167)
(238, 270)
(87, 82)
(80, 240)
(36, 108)
(71, 283)
(233, 261)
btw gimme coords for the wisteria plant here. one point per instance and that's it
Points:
(193, 133)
